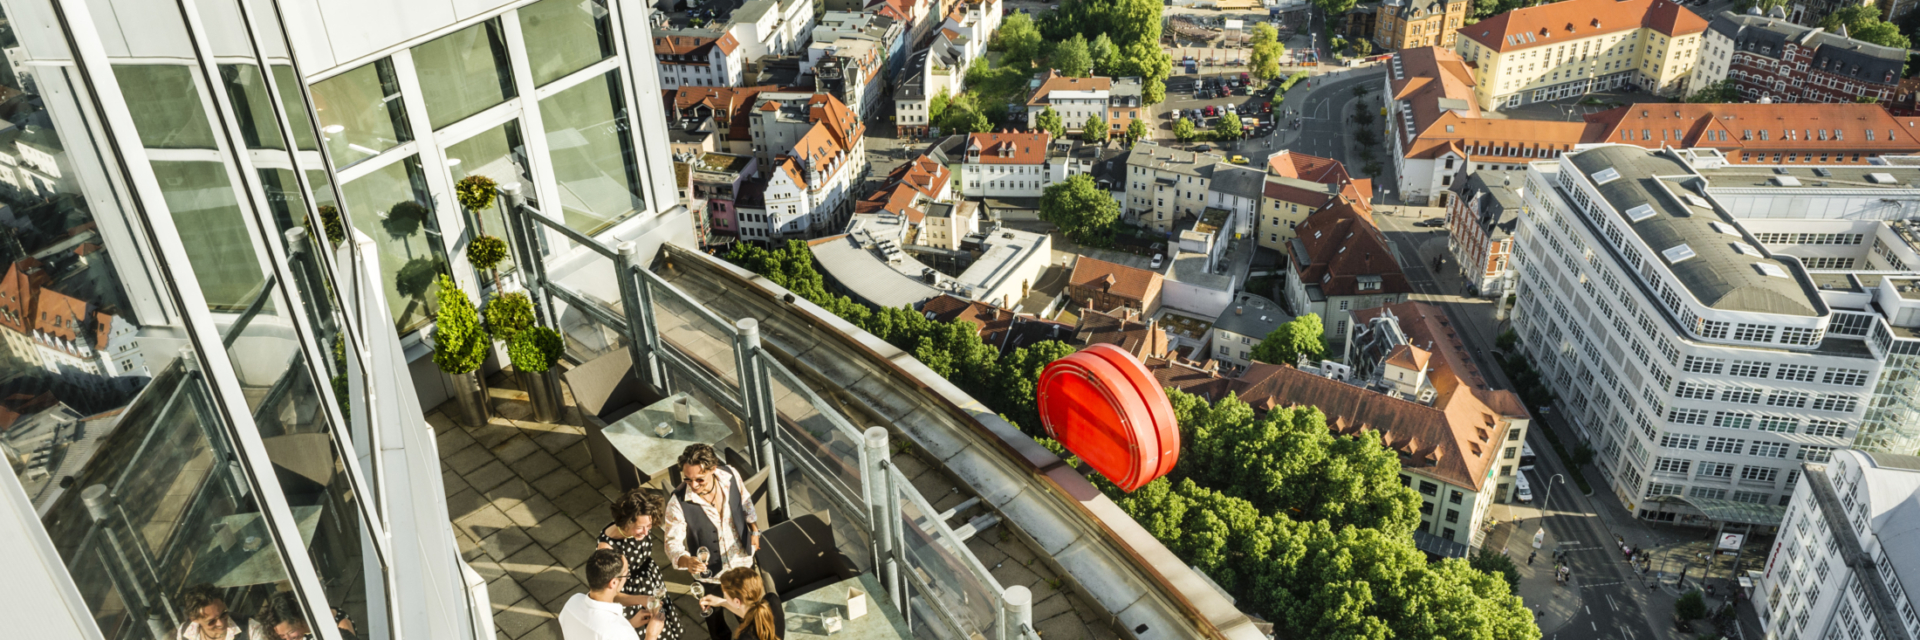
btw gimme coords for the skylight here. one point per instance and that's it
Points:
(1770, 269)
(1745, 249)
(1677, 253)
(1696, 201)
(1605, 176)
(1639, 213)
(1724, 228)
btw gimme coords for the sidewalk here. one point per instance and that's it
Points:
(1553, 605)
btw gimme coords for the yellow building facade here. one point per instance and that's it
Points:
(1569, 49)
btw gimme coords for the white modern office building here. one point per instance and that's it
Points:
(1701, 365)
(1844, 559)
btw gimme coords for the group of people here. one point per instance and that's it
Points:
(280, 617)
(710, 530)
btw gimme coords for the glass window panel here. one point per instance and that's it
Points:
(463, 73)
(221, 252)
(289, 85)
(498, 154)
(392, 206)
(593, 158)
(361, 113)
(247, 90)
(169, 113)
(564, 36)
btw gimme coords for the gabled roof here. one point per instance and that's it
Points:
(1573, 20)
(1432, 81)
(693, 42)
(1008, 147)
(1292, 164)
(1833, 52)
(1529, 139)
(1340, 245)
(1122, 327)
(1727, 126)
(907, 185)
(1056, 82)
(1128, 283)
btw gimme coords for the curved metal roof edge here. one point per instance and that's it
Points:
(1103, 541)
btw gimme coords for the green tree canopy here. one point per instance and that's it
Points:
(1103, 50)
(964, 115)
(1227, 127)
(1288, 461)
(1050, 122)
(1071, 57)
(937, 105)
(1095, 130)
(1498, 564)
(1304, 335)
(1019, 378)
(1363, 46)
(1718, 92)
(1080, 208)
(1183, 130)
(1136, 130)
(1335, 8)
(1019, 40)
(1863, 23)
(1264, 59)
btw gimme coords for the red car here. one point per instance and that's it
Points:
(1267, 107)
(1211, 111)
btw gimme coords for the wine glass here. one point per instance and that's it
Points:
(703, 556)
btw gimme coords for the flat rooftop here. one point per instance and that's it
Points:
(1836, 177)
(1663, 201)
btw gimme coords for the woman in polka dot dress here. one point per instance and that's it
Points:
(633, 518)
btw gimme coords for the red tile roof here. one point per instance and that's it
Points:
(1572, 20)
(1056, 82)
(1128, 283)
(1342, 244)
(1008, 148)
(1122, 328)
(907, 185)
(697, 46)
(1726, 127)
(1292, 164)
(1463, 136)
(1427, 76)
(20, 293)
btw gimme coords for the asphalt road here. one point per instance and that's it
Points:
(1604, 587)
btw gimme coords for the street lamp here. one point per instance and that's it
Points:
(1548, 499)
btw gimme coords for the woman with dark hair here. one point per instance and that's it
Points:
(633, 516)
(761, 617)
(282, 617)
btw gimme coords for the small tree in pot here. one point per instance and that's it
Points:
(459, 347)
(534, 352)
(476, 193)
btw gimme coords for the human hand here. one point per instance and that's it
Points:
(712, 601)
(690, 564)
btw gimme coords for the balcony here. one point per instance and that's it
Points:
(977, 531)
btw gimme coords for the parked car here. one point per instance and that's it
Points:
(1431, 222)
(1203, 148)
(1238, 160)
(1157, 259)
(1522, 489)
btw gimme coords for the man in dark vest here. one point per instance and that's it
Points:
(711, 510)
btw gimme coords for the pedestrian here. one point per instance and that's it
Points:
(1530, 556)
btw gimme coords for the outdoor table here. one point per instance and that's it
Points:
(232, 565)
(882, 621)
(633, 438)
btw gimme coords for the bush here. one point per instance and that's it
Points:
(476, 193)
(459, 346)
(1506, 340)
(1690, 606)
(486, 252)
(536, 350)
(1498, 564)
(508, 314)
(330, 224)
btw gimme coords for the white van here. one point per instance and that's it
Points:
(1521, 489)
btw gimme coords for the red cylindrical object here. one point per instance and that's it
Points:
(1105, 407)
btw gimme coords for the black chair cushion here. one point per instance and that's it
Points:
(799, 557)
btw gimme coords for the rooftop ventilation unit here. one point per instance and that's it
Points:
(1639, 213)
(1605, 176)
(1677, 253)
(1786, 181)
(1724, 228)
(1696, 201)
(1770, 269)
(1822, 172)
(1745, 249)
(1880, 178)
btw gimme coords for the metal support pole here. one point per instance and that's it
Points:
(521, 238)
(1016, 612)
(756, 394)
(883, 508)
(643, 335)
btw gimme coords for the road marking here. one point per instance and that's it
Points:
(1589, 609)
(1595, 626)
(1610, 602)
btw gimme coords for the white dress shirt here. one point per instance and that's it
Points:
(585, 618)
(733, 553)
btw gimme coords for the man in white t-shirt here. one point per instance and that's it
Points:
(594, 615)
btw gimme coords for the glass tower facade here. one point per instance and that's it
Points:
(219, 238)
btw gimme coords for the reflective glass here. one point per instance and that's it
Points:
(593, 157)
(361, 113)
(463, 73)
(391, 205)
(564, 36)
(201, 199)
(289, 85)
(171, 114)
(247, 91)
(496, 153)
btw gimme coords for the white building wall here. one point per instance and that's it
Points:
(1809, 589)
(1197, 300)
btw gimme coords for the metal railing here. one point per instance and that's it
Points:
(823, 462)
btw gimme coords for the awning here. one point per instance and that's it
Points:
(1732, 511)
(1438, 546)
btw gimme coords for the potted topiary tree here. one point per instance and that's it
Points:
(476, 193)
(508, 314)
(459, 346)
(534, 352)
